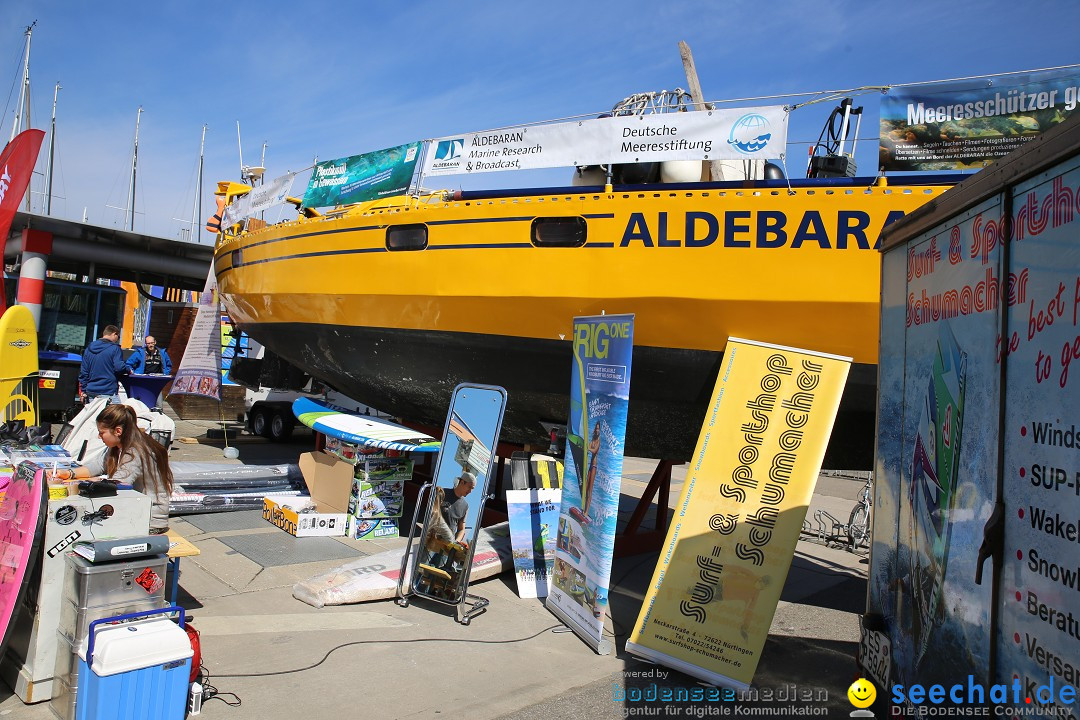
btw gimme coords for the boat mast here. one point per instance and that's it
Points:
(134, 167)
(24, 89)
(716, 171)
(52, 152)
(22, 108)
(240, 146)
(196, 210)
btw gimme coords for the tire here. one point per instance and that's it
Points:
(280, 428)
(260, 422)
(858, 525)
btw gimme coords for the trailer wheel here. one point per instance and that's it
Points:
(281, 428)
(260, 422)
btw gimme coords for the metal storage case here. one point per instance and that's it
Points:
(92, 592)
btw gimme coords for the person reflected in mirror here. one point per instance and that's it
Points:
(456, 507)
(102, 365)
(439, 534)
(594, 450)
(150, 359)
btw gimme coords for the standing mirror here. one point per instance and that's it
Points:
(448, 509)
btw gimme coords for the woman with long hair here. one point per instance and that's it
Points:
(133, 457)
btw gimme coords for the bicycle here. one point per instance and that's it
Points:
(858, 527)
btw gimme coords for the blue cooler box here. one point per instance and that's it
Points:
(134, 670)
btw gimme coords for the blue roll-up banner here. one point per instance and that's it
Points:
(595, 435)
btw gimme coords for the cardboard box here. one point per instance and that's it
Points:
(282, 510)
(377, 500)
(375, 470)
(361, 529)
(329, 481)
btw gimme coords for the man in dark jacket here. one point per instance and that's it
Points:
(150, 359)
(102, 364)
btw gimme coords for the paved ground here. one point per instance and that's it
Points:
(276, 657)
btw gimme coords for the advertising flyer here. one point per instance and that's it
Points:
(592, 475)
(712, 597)
(968, 124)
(534, 517)
(1039, 637)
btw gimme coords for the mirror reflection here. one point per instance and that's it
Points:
(452, 520)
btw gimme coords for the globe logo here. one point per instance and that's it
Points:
(750, 134)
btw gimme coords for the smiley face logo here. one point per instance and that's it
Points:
(862, 693)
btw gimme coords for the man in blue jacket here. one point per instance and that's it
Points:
(102, 364)
(150, 359)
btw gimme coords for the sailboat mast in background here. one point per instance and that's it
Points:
(134, 167)
(196, 210)
(22, 109)
(52, 153)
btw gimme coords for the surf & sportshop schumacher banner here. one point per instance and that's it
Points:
(592, 474)
(967, 124)
(16, 167)
(755, 133)
(727, 554)
(362, 177)
(200, 369)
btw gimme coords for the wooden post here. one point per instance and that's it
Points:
(715, 171)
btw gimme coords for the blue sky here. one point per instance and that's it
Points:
(335, 79)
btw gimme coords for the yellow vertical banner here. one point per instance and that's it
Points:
(713, 594)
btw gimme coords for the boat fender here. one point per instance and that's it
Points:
(214, 223)
(636, 173)
(773, 171)
(683, 171)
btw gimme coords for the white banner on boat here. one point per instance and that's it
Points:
(737, 134)
(259, 199)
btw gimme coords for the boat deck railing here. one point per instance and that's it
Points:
(781, 184)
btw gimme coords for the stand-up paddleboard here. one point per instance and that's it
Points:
(18, 366)
(349, 427)
(375, 577)
(22, 529)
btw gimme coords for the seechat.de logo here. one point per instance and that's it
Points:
(449, 149)
(750, 134)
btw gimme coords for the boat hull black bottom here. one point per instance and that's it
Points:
(411, 374)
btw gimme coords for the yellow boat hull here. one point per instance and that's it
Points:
(398, 329)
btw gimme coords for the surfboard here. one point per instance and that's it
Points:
(365, 430)
(18, 366)
(375, 577)
(22, 529)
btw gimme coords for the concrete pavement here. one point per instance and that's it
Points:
(284, 659)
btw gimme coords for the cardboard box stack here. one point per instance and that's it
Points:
(378, 488)
(355, 491)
